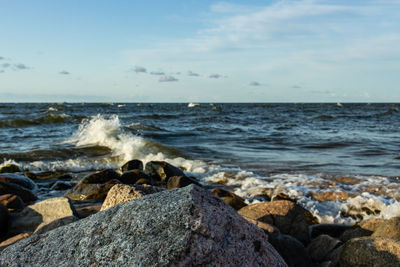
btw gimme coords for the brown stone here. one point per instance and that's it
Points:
(40, 214)
(122, 193)
(230, 198)
(388, 228)
(371, 224)
(47, 175)
(265, 226)
(354, 232)
(84, 191)
(12, 202)
(370, 251)
(287, 216)
(84, 210)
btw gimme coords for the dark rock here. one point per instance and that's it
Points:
(370, 251)
(60, 185)
(41, 213)
(180, 181)
(12, 202)
(292, 251)
(131, 177)
(287, 216)
(132, 165)
(354, 232)
(388, 228)
(88, 191)
(47, 175)
(4, 218)
(320, 248)
(230, 198)
(25, 194)
(122, 193)
(9, 168)
(86, 209)
(143, 181)
(113, 181)
(100, 177)
(183, 227)
(18, 179)
(333, 230)
(161, 171)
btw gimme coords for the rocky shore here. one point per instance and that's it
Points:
(155, 215)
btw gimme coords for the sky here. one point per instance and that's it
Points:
(200, 51)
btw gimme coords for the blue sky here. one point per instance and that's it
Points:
(200, 51)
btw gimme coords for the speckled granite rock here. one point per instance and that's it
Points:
(183, 227)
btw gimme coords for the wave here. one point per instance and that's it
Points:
(100, 131)
(46, 119)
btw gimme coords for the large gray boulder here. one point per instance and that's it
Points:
(183, 227)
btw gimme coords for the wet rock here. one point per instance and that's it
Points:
(370, 251)
(143, 181)
(161, 171)
(292, 251)
(182, 227)
(230, 198)
(131, 177)
(388, 228)
(282, 196)
(12, 202)
(9, 168)
(331, 196)
(4, 218)
(40, 214)
(333, 230)
(347, 180)
(321, 248)
(18, 179)
(122, 193)
(84, 191)
(25, 194)
(47, 175)
(287, 216)
(100, 177)
(60, 186)
(132, 165)
(180, 181)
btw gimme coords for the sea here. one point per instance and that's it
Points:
(300, 151)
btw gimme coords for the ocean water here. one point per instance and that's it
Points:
(297, 150)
